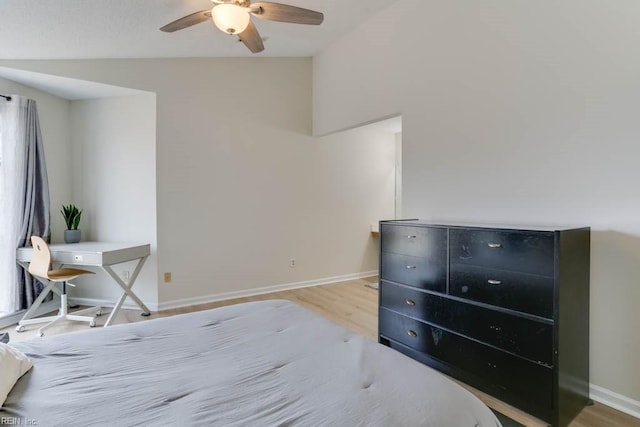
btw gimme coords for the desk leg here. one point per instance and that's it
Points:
(49, 287)
(38, 301)
(127, 290)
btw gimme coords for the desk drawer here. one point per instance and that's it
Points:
(524, 381)
(527, 338)
(424, 242)
(519, 251)
(413, 271)
(521, 292)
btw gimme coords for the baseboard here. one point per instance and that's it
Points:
(259, 291)
(128, 304)
(614, 400)
(185, 302)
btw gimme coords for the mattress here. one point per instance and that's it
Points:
(269, 363)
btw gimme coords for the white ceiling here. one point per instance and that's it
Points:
(64, 87)
(392, 125)
(75, 29)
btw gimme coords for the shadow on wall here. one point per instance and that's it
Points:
(615, 264)
(615, 309)
(371, 252)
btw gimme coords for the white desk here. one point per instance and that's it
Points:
(95, 254)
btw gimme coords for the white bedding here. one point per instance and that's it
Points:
(270, 363)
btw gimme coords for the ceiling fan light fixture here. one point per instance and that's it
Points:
(230, 18)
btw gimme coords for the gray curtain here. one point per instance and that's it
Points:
(35, 212)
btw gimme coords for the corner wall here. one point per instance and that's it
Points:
(114, 153)
(242, 186)
(513, 112)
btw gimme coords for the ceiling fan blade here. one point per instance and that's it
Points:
(285, 13)
(187, 21)
(251, 38)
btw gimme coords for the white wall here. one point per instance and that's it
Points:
(114, 163)
(53, 113)
(352, 175)
(242, 186)
(515, 112)
(398, 186)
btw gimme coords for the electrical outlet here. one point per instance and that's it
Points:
(292, 263)
(167, 277)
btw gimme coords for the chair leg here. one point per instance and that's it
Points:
(37, 320)
(88, 310)
(50, 324)
(27, 320)
(63, 314)
(91, 320)
(63, 300)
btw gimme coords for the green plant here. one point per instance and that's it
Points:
(71, 216)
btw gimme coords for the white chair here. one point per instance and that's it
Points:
(39, 267)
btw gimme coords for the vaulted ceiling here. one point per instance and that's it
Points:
(74, 29)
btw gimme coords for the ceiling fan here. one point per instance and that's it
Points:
(234, 17)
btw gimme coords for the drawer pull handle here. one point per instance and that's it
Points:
(494, 245)
(411, 237)
(411, 333)
(494, 282)
(492, 365)
(410, 267)
(410, 302)
(495, 328)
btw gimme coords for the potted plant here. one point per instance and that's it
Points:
(71, 216)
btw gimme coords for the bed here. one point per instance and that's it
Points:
(269, 363)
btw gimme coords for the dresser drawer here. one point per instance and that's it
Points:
(521, 380)
(414, 271)
(424, 242)
(525, 252)
(521, 292)
(414, 303)
(527, 338)
(417, 335)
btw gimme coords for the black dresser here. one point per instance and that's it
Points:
(505, 310)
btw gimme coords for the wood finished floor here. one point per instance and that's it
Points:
(354, 306)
